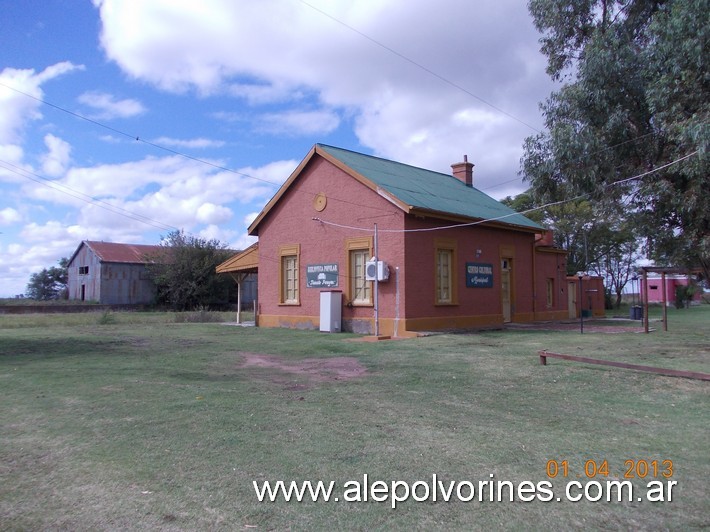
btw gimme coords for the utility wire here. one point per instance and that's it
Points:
(22, 172)
(453, 84)
(420, 66)
(137, 138)
(498, 218)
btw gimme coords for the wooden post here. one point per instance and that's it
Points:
(665, 301)
(645, 302)
(239, 302)
(256, 309)
(239, 278)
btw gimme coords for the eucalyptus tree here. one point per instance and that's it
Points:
(629, 126)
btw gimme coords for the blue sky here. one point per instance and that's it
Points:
(226, 97)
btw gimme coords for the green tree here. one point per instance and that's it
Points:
(618, 256)
(597, 239)
(184, 272)
(572, 225)
(634, 101)
(525, 203)
(49, 283)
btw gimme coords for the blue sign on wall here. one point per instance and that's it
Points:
(479, 275)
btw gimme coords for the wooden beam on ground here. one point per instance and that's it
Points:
(544, 355)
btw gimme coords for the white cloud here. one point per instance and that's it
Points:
(249, 218)
(56, 70)
(259, 94)
(157, 194)
(209, 213)
(52, 231)
(295, 123)
(9, 216)
(188, 143)
(242, 242)
(109, 107)
(11, 156)
(55, 161)
(218, 232)
(423, 97)
(20, 95)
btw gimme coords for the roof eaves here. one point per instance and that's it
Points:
(387, 195)
(381, 191)
(76, 252)
(241, 261)
(445, 215)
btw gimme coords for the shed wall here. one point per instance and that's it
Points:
(84, 286)
(126, 284)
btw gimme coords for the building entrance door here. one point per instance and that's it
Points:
(506, 291)
(571, 300)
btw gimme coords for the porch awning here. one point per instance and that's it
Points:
(245, 262)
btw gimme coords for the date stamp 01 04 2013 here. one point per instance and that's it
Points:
(600, 468)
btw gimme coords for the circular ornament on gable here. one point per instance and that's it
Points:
(319, 202)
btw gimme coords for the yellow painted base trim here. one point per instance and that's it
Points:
(452, 322)
(408, 328)
(362, 326)
(293, 322)
(551, 315)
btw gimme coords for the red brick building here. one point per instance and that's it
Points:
(456, 257)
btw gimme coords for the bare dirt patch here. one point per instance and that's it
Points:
(314, 369)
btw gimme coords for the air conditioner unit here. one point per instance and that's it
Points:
(376, 270)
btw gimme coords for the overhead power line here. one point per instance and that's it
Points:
(137, 138)
(420, 66)
(63, 189)
(503, 217)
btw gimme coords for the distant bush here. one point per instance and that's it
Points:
(106, 318)
(684, 295)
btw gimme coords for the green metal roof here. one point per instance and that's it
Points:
(428, 190)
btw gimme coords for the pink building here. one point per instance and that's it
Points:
(653, 293)
(449, 256)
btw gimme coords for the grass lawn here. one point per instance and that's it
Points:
(138, 422)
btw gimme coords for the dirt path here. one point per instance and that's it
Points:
(315, 369)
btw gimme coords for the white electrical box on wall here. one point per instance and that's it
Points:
(376, 270)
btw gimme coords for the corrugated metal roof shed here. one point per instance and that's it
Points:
(122, 253)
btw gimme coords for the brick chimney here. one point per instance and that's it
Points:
(464, 171)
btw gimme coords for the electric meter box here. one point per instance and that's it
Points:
(331, 310)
